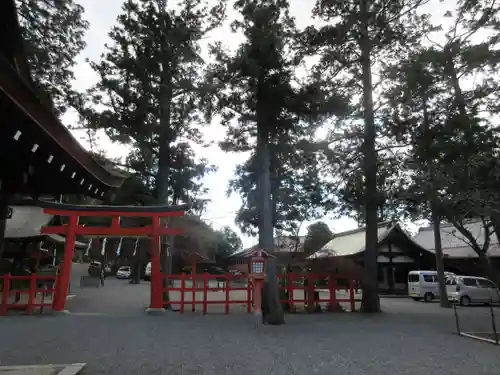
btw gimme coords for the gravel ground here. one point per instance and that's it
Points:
(218, 344)
(111, 333)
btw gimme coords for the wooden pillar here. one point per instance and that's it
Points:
(156, 276)
(385, 278)
(391, 281)
(62, 284)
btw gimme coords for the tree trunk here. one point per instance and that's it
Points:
(370, 299)
(450, 69)
(273, 311)
(166, 94)
(171, 242)
(162, 183)
(495, 220)
(436, 227)
(487, 268)
(449, 53)
(434, 204)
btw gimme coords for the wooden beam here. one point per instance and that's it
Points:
(111, 231)
(60, 212)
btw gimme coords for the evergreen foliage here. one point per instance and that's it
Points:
(412, 123)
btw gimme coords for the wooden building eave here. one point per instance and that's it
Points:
(16, 87)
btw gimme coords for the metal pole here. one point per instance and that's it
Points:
(456, 318)
(494, 324)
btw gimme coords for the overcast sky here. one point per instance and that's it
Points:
(221, 210)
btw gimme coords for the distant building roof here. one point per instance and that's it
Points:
(248, 252)
(353, 242)
(282, 244)
(58, 239)
(454, 243)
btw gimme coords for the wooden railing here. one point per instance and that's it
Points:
(316, 289)
(42, 286)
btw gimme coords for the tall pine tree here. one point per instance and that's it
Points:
(453, 144)
(150, 90)
(54, 34)
(360, 35)
(261, 103)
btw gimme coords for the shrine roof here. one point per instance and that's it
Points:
(247, 253)
(48, 158)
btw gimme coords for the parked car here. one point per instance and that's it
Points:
(95, 268)
(124, 272)
(424, 284)
(147, 272)
(469, 290)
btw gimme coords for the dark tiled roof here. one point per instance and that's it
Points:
(351, 242)
(454, 243)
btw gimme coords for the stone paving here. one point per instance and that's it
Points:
(113, 335)
(71, 369)
(30, 370)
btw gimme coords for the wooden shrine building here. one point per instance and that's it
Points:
(48, 160)
(398, 254)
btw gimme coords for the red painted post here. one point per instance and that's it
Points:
(205, 295)
(228, 286)
(156, 274)
(351, 295)
(5, 293)
(183, 285)
(31, 293)
(249, 296)
(62, 284)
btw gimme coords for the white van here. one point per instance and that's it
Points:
(424, 285)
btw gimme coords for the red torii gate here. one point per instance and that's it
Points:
(73, 228)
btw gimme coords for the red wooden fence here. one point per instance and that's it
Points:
(30, 303)
(332, 285)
